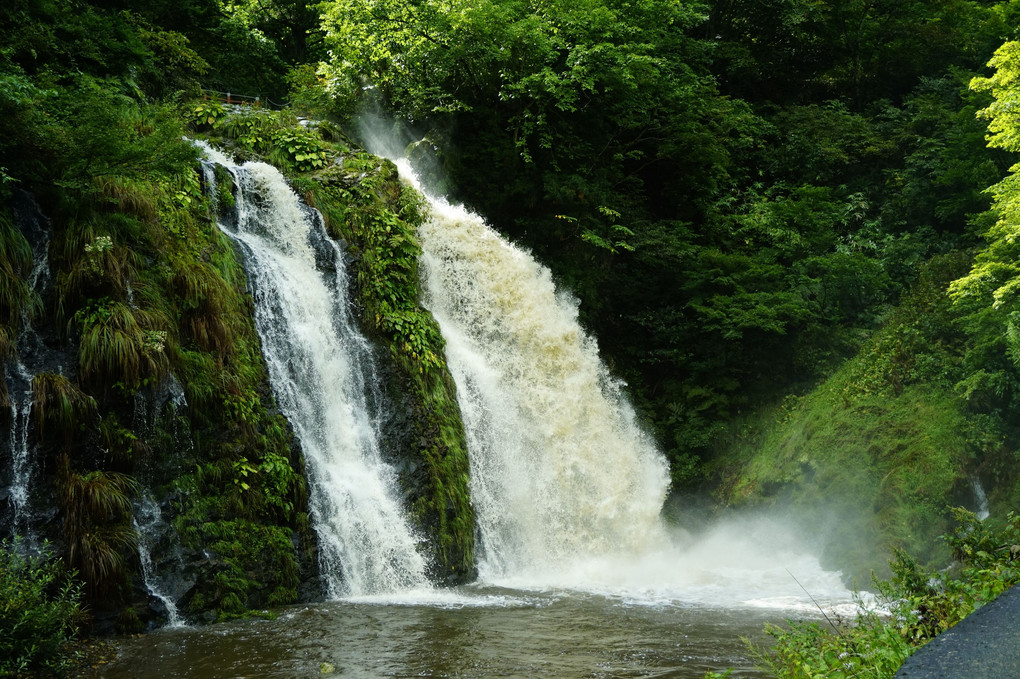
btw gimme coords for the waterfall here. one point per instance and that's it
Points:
(560, 471)
(148, 522)
(981, 500)
(19, 389)
(567, 488)
(323, 376)
(31, 357)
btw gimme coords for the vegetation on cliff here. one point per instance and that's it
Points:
(775, 213)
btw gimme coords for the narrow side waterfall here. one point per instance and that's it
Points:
(147, 522)
(980, 499)
(560, 470)
(19, 390)
(323, 377)
(30, 357)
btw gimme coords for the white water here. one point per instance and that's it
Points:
(981, 498)
(566, 486)
(20, 394)
(19, 374)
(323, 376)
(147, 521)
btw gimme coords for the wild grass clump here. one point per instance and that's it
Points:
(16, 296)
(97, 511)
(59, 408)
(921, 604)
(40, 611)
(205, 298)
(119, 345)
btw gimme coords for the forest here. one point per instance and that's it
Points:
(791, 225)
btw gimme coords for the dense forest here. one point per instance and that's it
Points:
(791, 225)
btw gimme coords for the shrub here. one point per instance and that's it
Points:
(39, 609)
(921, 603)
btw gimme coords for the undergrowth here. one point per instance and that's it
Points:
(919, 604)
(40, 613)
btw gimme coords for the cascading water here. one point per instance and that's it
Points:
(566, 487)
(147, 522)
(560, 470)
(980, 498)
(19, 389)
(30, 357)
(323, 377)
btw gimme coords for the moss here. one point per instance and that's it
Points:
(877, 454)
(251, 566)
(365, 204)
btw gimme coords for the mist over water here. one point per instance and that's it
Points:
(567, 487)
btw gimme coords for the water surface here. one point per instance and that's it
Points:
(470, 632)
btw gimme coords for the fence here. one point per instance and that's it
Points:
(230, 98)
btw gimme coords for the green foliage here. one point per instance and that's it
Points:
(119, 345)
(921, 605)
(205, 114)
(883, 444)
(365, 204)
(304, 149)
(808, 650)
(40, 612)
(276, 137)
(1004, 86)
(15, 264)
(96, 506)
(255, 567)
(59, 409)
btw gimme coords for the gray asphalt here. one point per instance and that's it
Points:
(984, 645)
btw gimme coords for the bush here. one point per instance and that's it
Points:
(921, 605)
(39, 609)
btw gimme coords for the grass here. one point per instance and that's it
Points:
(873, 456)
(922, 604)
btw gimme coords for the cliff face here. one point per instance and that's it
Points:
(152, 441)
(367, 207)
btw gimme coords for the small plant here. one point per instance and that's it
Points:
(206, 113)
(303, 149)
(59, 409)
(39, 612)
(922, 604)
(97, 511)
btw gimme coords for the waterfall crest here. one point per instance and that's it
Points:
(323, 376)
(561, 472)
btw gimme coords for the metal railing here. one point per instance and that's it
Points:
(231, 98)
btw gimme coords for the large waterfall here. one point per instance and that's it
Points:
(567, 488)
(324, 380)
(561, 472)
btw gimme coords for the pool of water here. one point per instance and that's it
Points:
(474, 631)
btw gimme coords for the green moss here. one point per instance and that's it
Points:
(875, 455)
(365, 204)
(252, 566)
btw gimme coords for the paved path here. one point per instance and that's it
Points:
(984, 645)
